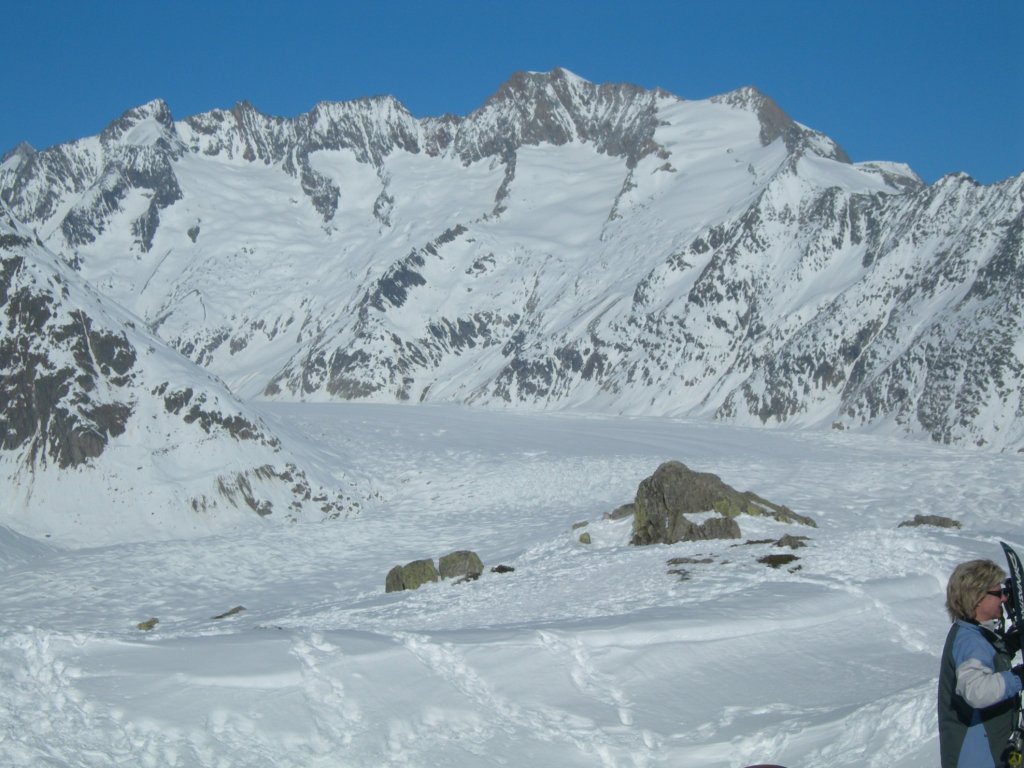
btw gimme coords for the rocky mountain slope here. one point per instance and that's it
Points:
(566, 245)
(115, 435)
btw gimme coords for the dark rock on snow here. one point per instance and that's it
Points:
(934, 520)
(411, 575)
(463, 565)
(674, 491)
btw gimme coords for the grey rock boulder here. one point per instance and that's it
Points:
(462, 564)
(411, 575)
(674, 491)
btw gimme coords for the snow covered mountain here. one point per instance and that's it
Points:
(108, 434)
(566, 245)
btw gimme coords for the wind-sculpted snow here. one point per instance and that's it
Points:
(566, 245)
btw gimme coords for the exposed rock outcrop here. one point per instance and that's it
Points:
(79, 375)
(665, 499)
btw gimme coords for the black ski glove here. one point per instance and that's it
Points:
(1012, 640)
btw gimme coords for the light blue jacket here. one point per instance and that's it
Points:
(977, 697)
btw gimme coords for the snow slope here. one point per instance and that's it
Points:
(584, 655)
(106, 434)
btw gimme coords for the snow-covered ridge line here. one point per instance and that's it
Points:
(566, 245)
(529, 109)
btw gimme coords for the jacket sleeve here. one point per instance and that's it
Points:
(976, 679)
(981, 687)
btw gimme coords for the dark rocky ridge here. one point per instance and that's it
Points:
(75, 374)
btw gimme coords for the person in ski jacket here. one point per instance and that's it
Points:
(978, 690)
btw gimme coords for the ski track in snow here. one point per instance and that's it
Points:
(584, 655)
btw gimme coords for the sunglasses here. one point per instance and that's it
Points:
(1001, 592)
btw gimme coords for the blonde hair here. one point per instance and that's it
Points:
(968, 585)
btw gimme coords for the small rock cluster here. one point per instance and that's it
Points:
(150, 624)
(773, 560)
(462, 565)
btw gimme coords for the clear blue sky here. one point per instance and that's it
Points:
(937, 84)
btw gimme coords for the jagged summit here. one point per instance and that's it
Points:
(530, 108)
(562, 73)
(775, 124)
(141, 126)
(20, 153)
(557, 108)
(525, 85)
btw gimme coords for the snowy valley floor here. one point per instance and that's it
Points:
(585, 655)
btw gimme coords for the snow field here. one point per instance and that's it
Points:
(584, 655)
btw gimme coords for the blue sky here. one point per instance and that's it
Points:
(937, 84)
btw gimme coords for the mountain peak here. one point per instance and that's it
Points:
(776, 124)
(561, 73)
(560, 84)
(558, 75)
(142, 126)
(380, 101)
(22, 152)
(559, 107)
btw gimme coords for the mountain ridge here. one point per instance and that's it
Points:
(565, 245)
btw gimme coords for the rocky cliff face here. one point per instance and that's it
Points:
(566, 245)
(85, 391)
